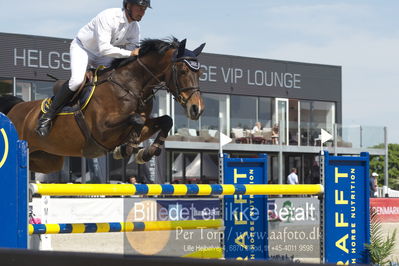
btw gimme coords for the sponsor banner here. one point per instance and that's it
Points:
(245, 222)
(346, 209)
(179, 242)
(387, 209)
(294, 228)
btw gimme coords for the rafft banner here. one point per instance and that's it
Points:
(347, 209)
(245, 235)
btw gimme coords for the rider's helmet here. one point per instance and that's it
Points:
(146, 3)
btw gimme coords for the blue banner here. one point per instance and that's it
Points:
(245, 235)
(347, 209)
(13, 187)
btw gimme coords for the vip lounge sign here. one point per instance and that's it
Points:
(347, 209)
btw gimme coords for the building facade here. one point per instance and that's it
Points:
(293, 102)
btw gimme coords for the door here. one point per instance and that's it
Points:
(281, 118)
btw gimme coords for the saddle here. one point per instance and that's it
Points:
(81, 97)
(75, 106)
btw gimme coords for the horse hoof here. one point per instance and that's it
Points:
(139, 157)
(117, 153)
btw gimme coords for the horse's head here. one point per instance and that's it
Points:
(185, 80)
(173, 67)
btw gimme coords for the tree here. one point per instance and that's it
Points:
(377, 165)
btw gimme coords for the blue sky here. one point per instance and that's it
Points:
(360, 36)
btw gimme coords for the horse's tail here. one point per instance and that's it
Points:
(7, 102)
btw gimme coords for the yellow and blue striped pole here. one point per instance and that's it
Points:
(83, 228)
(172, 190)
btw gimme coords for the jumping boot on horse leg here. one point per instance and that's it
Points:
(60, 99)
(138, 122)
(131, 146)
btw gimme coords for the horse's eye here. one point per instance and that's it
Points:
(183, 71)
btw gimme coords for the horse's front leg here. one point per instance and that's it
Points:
(131, 146)
(162, 124)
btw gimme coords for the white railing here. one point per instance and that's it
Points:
(391, 193)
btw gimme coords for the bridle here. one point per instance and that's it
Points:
(177, 94)
(191, 62)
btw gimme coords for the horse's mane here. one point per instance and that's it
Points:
(146, 46)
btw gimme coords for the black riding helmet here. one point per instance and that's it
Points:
(146, 3)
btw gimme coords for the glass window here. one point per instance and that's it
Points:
(186, 167)
(311, 173)
(208, 124)
(6, 87)
(181, 121)
(30, 90)
(243, 112)
(265, 115)
(293, 122)
(210, 172)
(282, 119)
(314, 116)
(160, 104)
(210, 117)
(209, 120)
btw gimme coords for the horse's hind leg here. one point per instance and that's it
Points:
(43, 162)
(162, 124)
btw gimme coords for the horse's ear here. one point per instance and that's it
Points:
(199, 49)
(182, 48)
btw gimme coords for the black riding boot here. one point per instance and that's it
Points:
(58, 102)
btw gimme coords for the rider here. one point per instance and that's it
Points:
(113, 33)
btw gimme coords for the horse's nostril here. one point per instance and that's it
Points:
(194, 110)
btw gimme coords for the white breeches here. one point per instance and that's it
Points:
(80, 60)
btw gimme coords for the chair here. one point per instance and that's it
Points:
(192, 132)
(238, 135)
(189, 134)
(267, 135)
(183, 131)
(209, 135)
(237, 132)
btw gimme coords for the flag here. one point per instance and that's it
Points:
(325, 136)
(224, 139)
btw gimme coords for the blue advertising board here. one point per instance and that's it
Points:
(347, 209)
(13, 186)
(245, 235)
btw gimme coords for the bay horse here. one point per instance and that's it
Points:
(119, 112)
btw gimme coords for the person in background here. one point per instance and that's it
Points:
(256, 128)
(132, 180)
(275, 134)
(292, 178)
(373, 184)
(315, 173)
